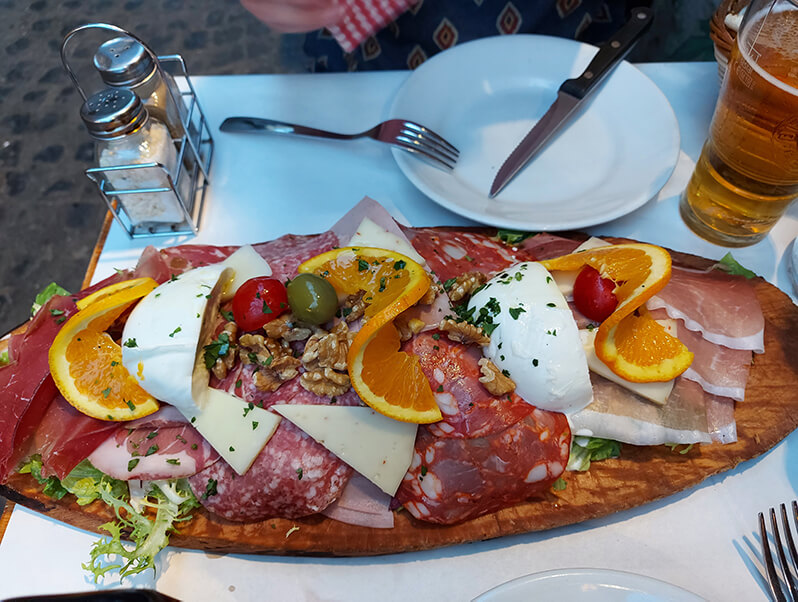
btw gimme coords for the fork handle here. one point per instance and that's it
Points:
(270, 126)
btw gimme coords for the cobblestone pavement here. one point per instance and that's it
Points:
(50, 213)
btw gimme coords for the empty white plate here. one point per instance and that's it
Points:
(485, 95)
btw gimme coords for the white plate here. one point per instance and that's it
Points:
(485, 95)
(587, 585)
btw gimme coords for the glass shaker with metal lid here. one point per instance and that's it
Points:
(126, 138)
(124, 63)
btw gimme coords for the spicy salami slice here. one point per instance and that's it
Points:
(468, 409)
(450, 254)
(452, 480)
(293, 476)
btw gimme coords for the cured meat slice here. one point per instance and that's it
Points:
(450, 253)
(240, 382)
(452, 480)
(26, 383)
(287, 252)
(362, 503)
(468, 409)
(65, 437)
(154, 449)
(718, 369)
(292, 476)
(617, 413)
(185, 257)
(547, 246)
(722, 307)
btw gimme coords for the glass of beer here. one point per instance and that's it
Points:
(747, 174)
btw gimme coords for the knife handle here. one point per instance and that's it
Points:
(610, 53)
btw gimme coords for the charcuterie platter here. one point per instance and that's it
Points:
(639, 475)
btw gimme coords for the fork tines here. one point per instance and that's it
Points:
(419, 139)
(789, 570)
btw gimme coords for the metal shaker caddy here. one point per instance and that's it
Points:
(136, 191)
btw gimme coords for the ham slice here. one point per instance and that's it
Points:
(722, 307)
(27, 385)
(362, 503)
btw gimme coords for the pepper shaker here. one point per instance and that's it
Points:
(124, 63)
(126, 135)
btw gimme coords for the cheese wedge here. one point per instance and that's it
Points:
(369, 234)
(376, 446)
(164, 336)
(565, 280)
(247, 264)
(236, 429)
(657, 392)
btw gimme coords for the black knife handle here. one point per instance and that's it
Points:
(610, 53)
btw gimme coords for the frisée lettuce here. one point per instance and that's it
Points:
(585, 450)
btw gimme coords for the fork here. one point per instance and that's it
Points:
(789, 572)
(407, 135)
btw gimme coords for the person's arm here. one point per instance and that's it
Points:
(294, 16)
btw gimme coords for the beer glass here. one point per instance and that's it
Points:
(747, 174)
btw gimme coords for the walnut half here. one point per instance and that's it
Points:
(275, 362)
(493, 380)
(463, 332)
(325, 382)
(465, 285)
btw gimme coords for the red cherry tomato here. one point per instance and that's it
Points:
(259, 301)
(593, 295)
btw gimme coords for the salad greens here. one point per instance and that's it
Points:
(585, 450)
(729, 264)
(169, 502)
(513, 237)
(50, 291)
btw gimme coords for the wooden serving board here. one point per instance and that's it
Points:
(639, 476)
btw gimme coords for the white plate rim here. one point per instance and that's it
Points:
(640, 584)
(411, 166)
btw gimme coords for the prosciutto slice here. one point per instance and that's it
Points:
(26, 383)
(362, 503)
(722, 307)
(547, 246)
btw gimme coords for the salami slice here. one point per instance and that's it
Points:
(450, 254)
(287, 252)
(292, 476)
(468, 409)
(452, 480)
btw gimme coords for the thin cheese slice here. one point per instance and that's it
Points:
(236, 429)
(376, 446)
(565, 280)
(369, 234)
(247, 264)
(657, 392)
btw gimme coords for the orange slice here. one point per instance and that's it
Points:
(386, 379)
(108, 291)
(86, 363)
(640, 271)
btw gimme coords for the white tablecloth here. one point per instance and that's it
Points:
(702, 540)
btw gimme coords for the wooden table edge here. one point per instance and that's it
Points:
(5, 517)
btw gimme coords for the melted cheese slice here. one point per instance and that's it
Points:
(164, 336)
(657, 392)
(236, 429)
(376, 446)
(247, 264)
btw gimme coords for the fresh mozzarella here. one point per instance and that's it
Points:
(369, 234)
(247, 264)
(657, 392)
(236, 429)
(163, 338)
(376, 446)
(565, 280)
(536, 340)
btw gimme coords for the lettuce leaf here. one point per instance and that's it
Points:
(50, 291)
(513, 237)
(585, 450)
(729, 264)
(4, 358)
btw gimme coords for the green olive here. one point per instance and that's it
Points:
(312, 299)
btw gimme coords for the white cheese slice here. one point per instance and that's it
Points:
(247, 264)
(369, 234)
(657, 392)
(163, 338)
(565, 280)
(376, 446)
(236, 429)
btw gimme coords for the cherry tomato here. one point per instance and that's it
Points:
(593, 295)
(259, 301)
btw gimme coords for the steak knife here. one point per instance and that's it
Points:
(571, 94)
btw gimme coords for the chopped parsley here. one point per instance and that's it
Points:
(130, 343)
(362, 265)
(382, 284)
(130, 405)
(559, 484)
(266, 308)
(174, 461)
(216, 349)
(449, 284)
(535, 362)
(423, 471)
(132, 464)
(515, 312)
(513, 237)
(440, 389)
(399, 265)
(228, 315)
(254, 424)
(174, 332)
(299, 473)
(106, 392)
(153, 449)
(210, 489)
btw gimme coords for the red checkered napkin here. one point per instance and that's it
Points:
(364, 18)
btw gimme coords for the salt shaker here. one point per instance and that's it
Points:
(124, 63)
(126, 135)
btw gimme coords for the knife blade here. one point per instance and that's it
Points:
(571, 94)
